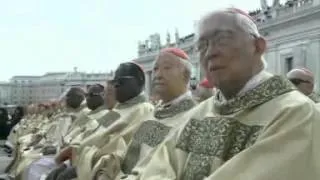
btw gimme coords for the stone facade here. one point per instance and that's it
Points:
(292, 30)
(5, 93)
(26, 90)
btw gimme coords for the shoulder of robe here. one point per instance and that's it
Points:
(292, 108)
(149, 106)
(201, 109)
(293, 100)
(85, 110)
(317, 105)
(198, 112)
(146, 108)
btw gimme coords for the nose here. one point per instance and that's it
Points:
(157, 74)
(209, 54)
(211, 50)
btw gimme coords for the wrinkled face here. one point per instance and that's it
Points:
(227, 52)
(94, 97)
(305, 87)
(168, 74)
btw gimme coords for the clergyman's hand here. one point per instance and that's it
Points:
(64, 155)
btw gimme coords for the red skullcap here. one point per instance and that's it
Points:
(206, 84)
(177, 52)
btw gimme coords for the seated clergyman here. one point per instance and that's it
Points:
(71, 131)
(171, 74)
(256, 127)
(116, 127)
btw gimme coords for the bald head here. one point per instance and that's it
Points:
(303, 79)
(301, 74)
(228, 19)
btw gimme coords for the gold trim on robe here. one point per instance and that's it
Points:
(266, 133)
(115, 137)
(149, 135)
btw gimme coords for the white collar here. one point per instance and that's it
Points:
(255, 81)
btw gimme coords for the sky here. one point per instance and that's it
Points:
(39, 36)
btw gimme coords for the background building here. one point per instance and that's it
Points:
(292, 30)
(24, 90)
(5, 93)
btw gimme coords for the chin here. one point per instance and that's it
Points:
(160, 91)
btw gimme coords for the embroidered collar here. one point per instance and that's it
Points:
(131, 102)
(262, 93)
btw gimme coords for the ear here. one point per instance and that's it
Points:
(261, 45)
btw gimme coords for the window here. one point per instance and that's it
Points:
(193, 72)
(289, 63)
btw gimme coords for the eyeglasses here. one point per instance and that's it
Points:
(218, 39)
(298, 81)
(121, 80)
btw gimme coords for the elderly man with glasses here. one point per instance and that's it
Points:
(257, 126)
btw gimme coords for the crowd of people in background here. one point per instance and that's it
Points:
(8, 121)
(242, 122)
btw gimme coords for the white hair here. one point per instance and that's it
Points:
(186, 64)
(188, 67)
(244, 22)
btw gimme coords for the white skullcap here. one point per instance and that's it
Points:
(245, 21)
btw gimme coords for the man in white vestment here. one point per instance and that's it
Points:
(73, 99)
(120, 123)
(81, 122)
(256, 127)
(171, 75)
(303, 79)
